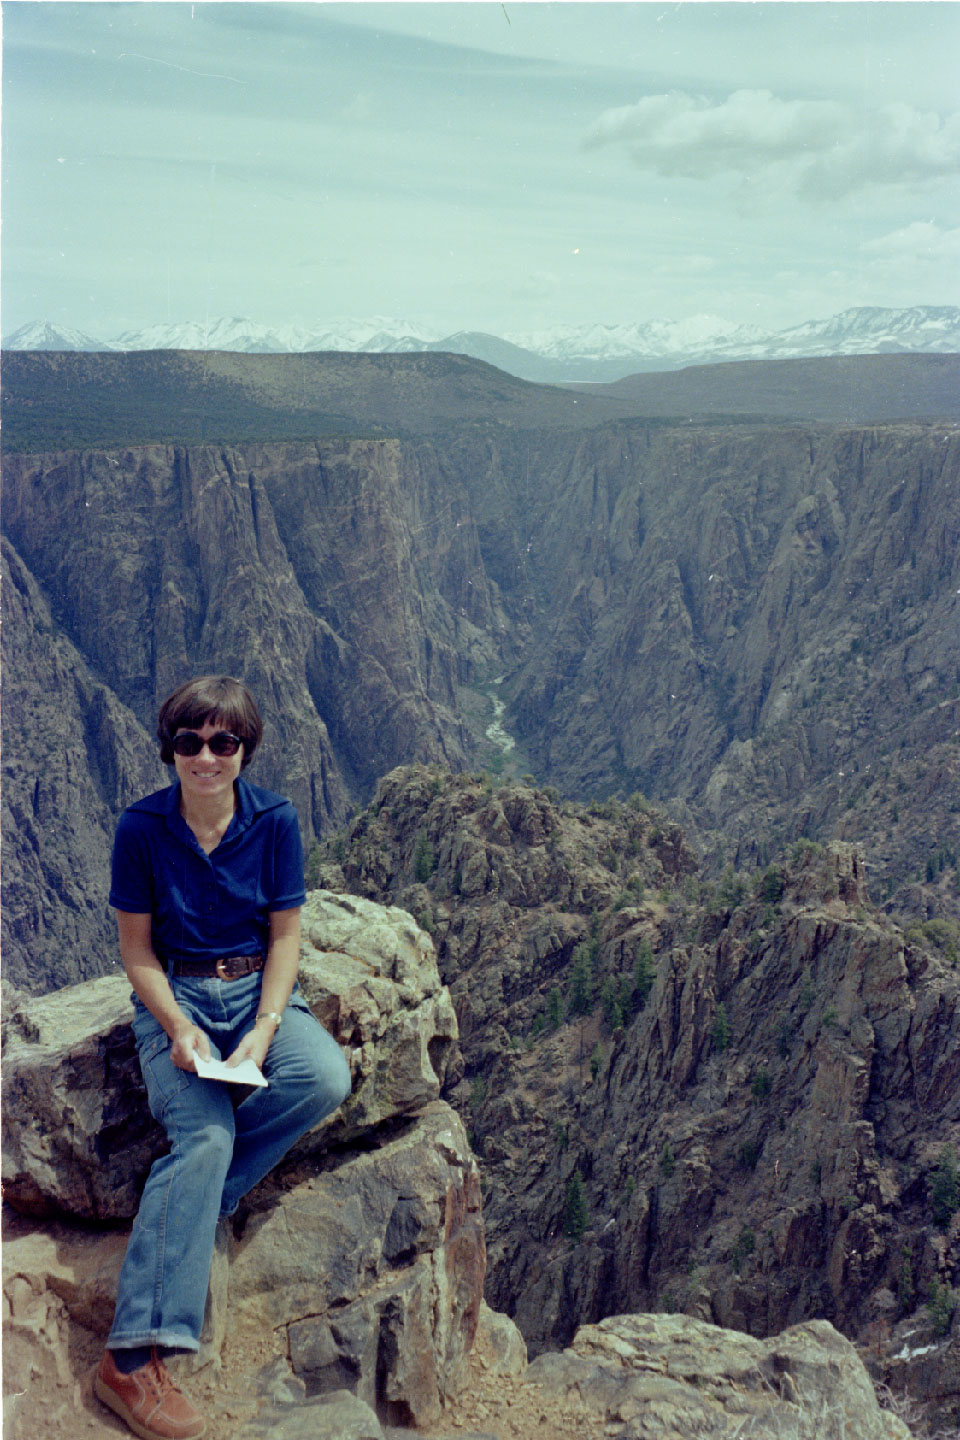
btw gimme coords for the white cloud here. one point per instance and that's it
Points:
(921, 240)
(822, 148)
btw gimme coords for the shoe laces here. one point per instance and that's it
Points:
(159, 1374)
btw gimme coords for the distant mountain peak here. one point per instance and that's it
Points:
(592, 352)
(44, 335)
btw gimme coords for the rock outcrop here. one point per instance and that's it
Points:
(363, 1253)
(78, 1140)
(508, 882)
(743, 1123)
(667, 1375)
(638, 1377)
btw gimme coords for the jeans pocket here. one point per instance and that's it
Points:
(162, 1078)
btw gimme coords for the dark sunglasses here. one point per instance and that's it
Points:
(186, 743)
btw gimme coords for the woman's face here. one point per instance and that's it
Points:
(206, 775)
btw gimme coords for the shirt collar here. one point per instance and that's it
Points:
(251, 802)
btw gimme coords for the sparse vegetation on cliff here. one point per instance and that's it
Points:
(945, 1188)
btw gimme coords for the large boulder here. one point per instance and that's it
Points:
(78, 1138)
(372, 1269)
(369, 973)
(670, 1375)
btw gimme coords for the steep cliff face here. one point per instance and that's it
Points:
(319, 575)
(345, 585)
(74, 756)
(759, 625)
(760, 1176)
(764, 625)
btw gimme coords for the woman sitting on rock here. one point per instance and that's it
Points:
(207, 881)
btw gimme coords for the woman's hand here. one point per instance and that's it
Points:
(255, 1044)
(149, 980)
(188, 1040)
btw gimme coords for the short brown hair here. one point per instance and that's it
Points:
(218, 698)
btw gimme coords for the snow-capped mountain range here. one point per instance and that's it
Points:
(572, 353)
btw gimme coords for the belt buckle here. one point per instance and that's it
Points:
(221, 972)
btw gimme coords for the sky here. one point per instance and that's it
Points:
(511, 167)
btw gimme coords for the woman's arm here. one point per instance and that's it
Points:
(152, 987)
(279, 978)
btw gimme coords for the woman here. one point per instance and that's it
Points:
(207, 882)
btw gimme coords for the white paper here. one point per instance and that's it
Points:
(247, 1072)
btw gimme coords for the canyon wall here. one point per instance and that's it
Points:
(760, 624)
(345, 586)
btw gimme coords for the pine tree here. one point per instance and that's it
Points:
(746, 1244)
(644, 974)
(808, 991)
(945, 1188)
(312, 877)
(611, 998)
(731, 890)
(581, 982)
(554, 1009)
(720, 1034)
(772, 885)
(576, 1215)
(424, 858)
(940, 1307)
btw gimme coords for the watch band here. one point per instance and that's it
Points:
(270, 1015)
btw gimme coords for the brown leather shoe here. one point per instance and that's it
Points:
(148, 1400)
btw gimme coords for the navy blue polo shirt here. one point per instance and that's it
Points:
(206, 906)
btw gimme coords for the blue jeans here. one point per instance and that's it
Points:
(217, 1152)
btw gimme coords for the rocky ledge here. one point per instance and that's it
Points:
(365, 1248)
(353, 1276)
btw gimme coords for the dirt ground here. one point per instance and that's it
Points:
(489, 1404)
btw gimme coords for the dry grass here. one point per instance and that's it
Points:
(914, 1414)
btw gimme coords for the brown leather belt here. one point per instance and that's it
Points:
(228, 967)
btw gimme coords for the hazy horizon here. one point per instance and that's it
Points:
(481, 166)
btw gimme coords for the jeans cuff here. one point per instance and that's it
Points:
(173, 1340)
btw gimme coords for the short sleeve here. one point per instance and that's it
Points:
(131, 869)
(288, 887)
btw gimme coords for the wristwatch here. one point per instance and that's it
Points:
(270, 1015)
